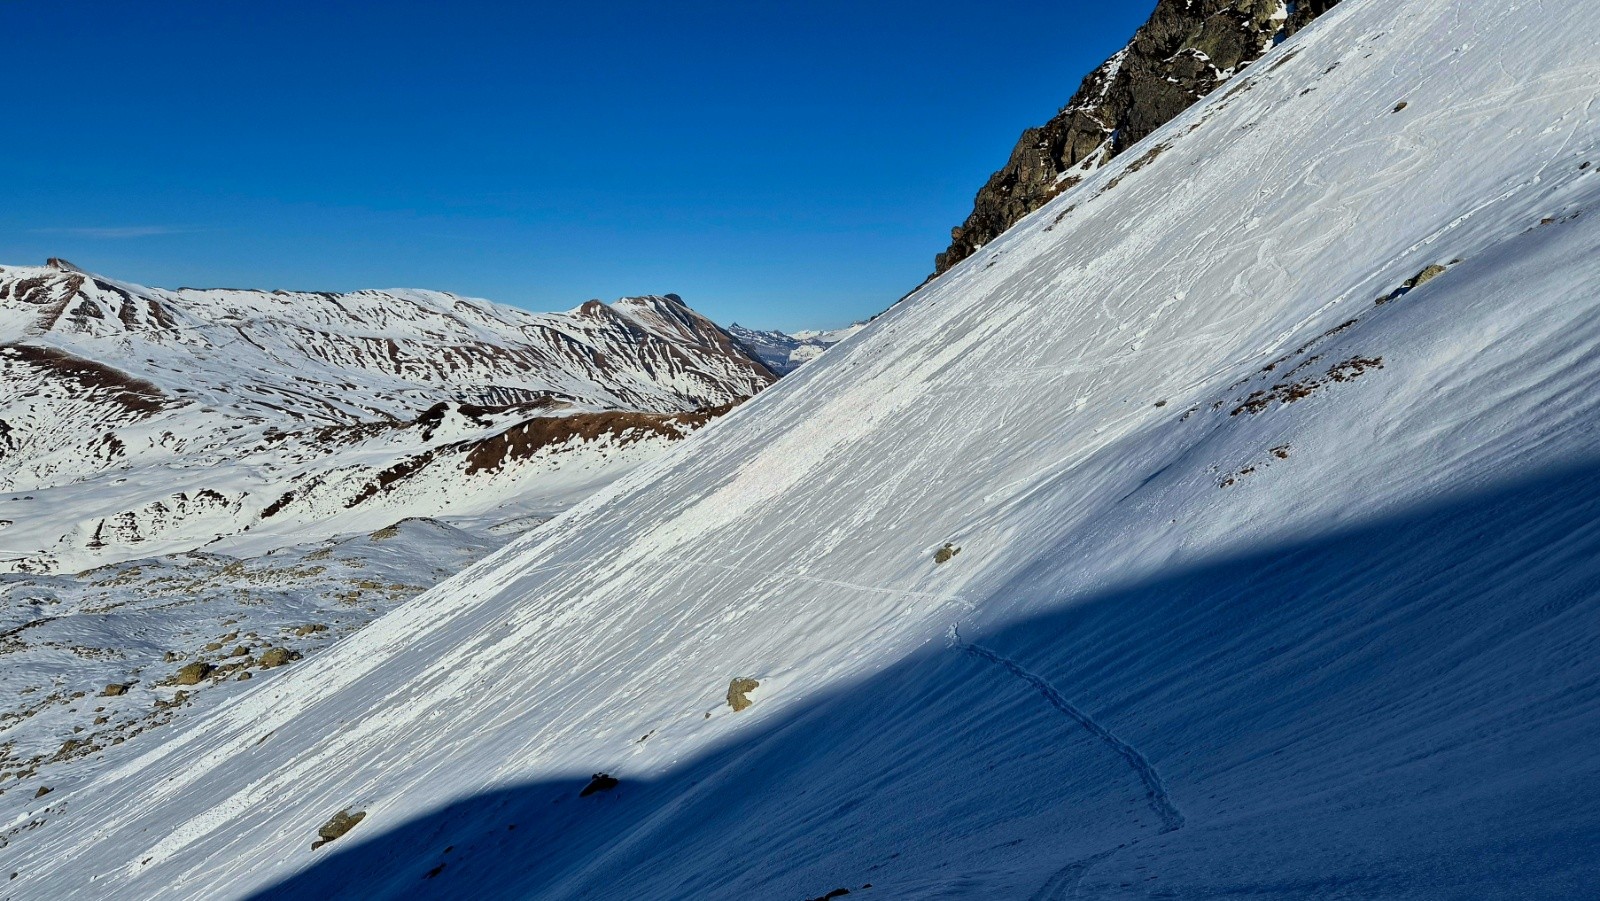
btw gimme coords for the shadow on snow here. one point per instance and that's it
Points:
(1405, 708)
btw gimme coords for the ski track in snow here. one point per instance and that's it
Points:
(818, 580)
(1063, 884)
(1156, 791)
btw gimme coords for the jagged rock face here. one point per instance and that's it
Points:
(1181, 54)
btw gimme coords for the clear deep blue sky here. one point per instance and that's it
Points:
(779, 164)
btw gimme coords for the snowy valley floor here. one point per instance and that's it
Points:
(92, 665)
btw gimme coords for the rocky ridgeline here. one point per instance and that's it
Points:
(1185, 50)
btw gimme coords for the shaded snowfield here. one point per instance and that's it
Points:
(1264, 588)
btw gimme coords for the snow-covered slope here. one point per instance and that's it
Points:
(137, 421)
(784, 352)
(1276, 577)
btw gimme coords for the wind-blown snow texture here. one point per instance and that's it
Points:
(139, 421)
(1265, 588)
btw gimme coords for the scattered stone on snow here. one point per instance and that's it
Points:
(337, 825)
(737, 689)
(192, 673)
(1422, 278)
(276, 657)
(600, 782)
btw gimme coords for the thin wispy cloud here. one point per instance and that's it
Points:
(116, 232)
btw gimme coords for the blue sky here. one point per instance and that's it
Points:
(779, 164)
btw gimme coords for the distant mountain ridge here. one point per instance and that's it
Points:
(201, 414)
(1185, 50)
(648, 353)
(784, 352)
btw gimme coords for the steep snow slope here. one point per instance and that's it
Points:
(1264, 587)
(139, 421)
(784, 352)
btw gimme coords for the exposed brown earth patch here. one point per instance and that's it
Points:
(133, 394)
(527, 439)
(1290, 392)
(523, 441)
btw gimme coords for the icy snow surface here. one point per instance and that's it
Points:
(1264, 587)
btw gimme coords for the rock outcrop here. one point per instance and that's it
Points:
(1185, 50)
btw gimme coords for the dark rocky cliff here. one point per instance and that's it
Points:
(1185, 50)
